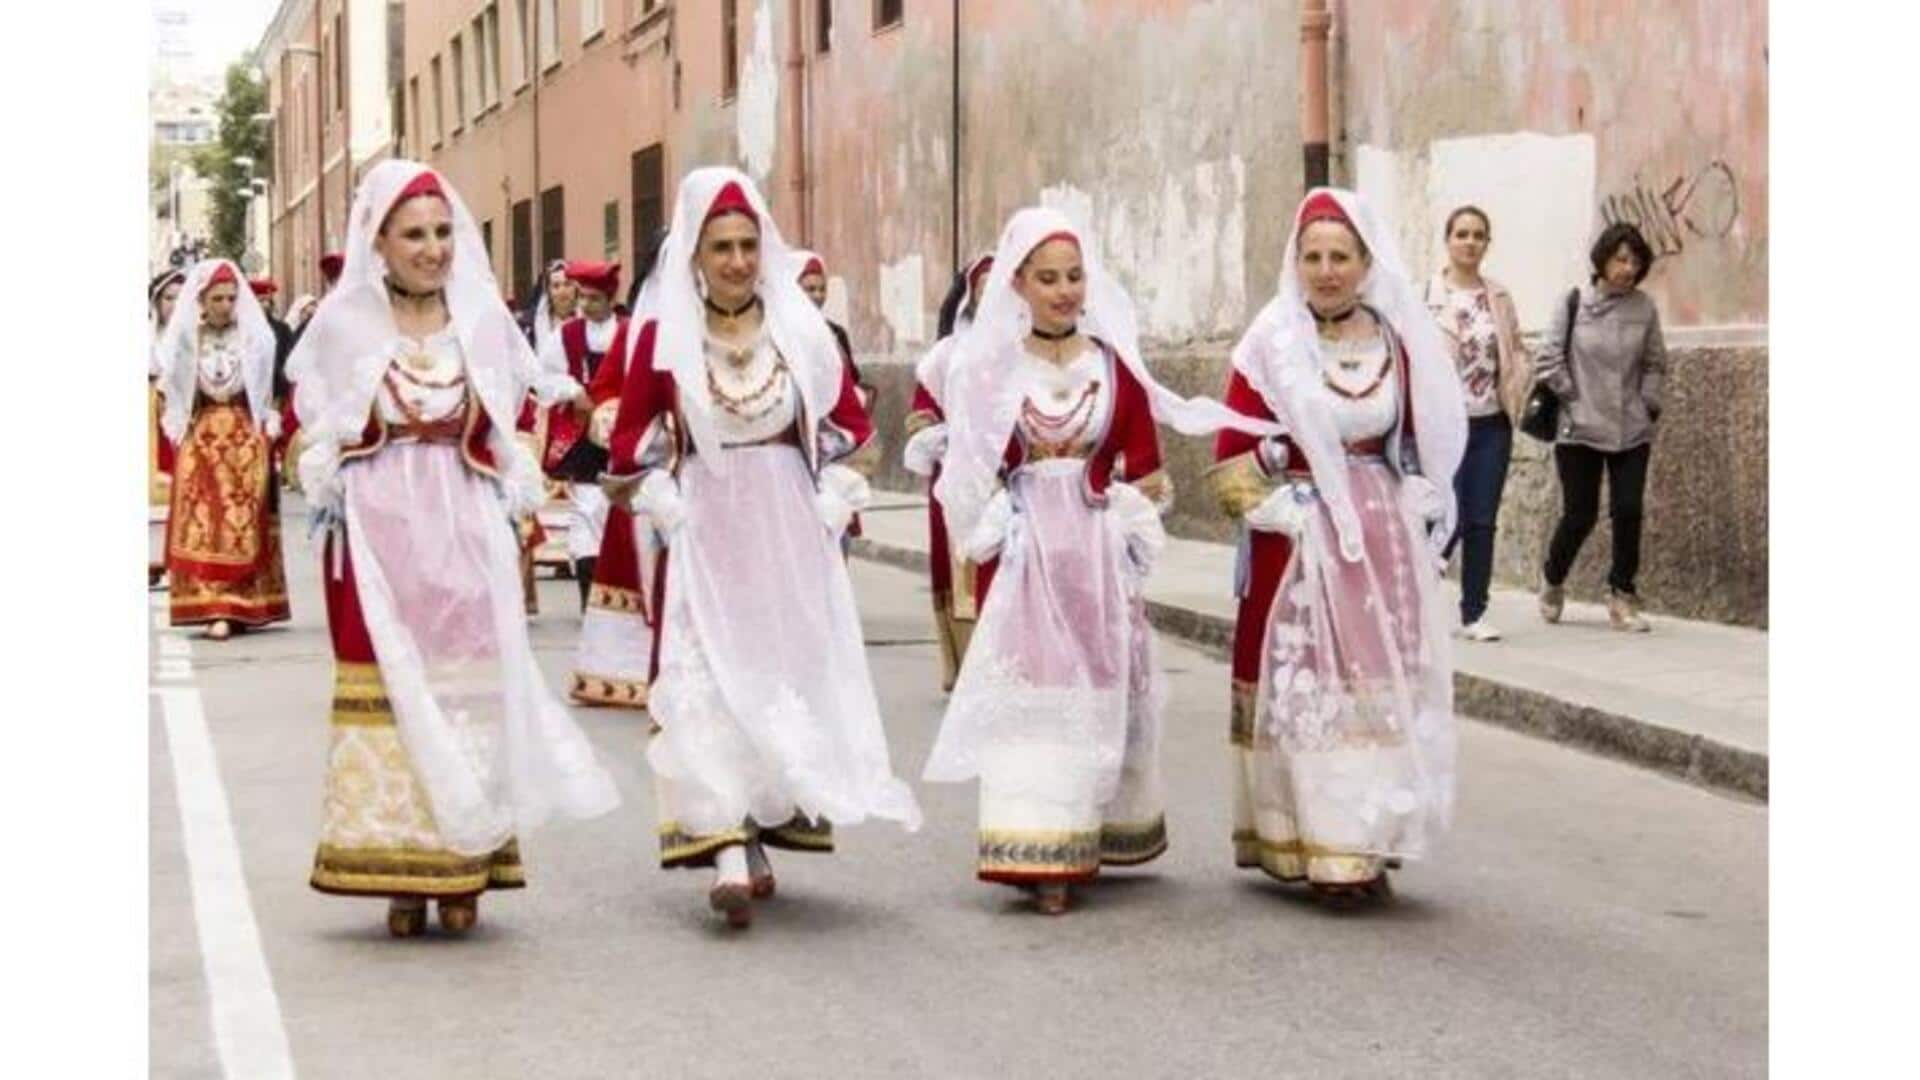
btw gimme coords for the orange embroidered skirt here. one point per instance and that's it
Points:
(223, 524)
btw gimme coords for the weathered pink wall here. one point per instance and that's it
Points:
(1673, 91)
(1160, 118)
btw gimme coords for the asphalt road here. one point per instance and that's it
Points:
(1583, 919)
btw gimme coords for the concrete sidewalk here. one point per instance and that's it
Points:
(1689, 699)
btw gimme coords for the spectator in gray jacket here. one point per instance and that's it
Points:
(1609, 386)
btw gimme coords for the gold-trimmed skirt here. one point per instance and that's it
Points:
(377, 833)
(1024, 840)
(681, 849)
(1267, 831)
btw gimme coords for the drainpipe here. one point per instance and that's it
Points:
(539, 73)
(1315, 23)
(953, 140)
(797, 118)
(319, 138)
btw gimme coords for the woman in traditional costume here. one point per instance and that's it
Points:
(223, 524)
(813, 282)
(162, 292)
(446, 741)
(1053, 466)
(558, 300)
(1342, 723)
(543, 533)
(955, 591)
(613, 659)
(742, 438)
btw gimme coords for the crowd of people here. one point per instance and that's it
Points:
(705, 446)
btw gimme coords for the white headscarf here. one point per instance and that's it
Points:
(180, 349)
(1280, 356)
(543, 325)
(980, 397)
(801, 257)
(931, 371)
(351, 339)
(673, 295)
(155, 367)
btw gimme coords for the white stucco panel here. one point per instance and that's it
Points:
(757, 113)
(1538, 189)
(903, 300)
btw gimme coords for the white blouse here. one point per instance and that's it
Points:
(1063, 408)
(218, 370)
(425, 378)
(1354, 368)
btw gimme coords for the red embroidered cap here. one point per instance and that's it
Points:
(1322, 206)
(601, 277)
(731, 200)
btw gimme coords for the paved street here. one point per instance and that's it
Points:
(1585, 918)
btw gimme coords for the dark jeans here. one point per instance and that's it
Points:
(1477, 486)
(1580, 468)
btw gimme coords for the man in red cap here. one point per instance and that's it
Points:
(570, 456)
(284, 337)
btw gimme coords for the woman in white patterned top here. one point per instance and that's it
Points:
(1477, 317)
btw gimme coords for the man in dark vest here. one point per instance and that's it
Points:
(578, 349)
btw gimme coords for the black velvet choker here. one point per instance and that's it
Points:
(1061, 336)
(1326, 320)
(399, 290)
(752, 302)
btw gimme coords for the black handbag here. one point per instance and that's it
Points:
(1541, 419)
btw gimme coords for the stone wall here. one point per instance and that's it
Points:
(1704, 550)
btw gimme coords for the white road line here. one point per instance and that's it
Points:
(247, 1029)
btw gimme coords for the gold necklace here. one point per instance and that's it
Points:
(743, 405)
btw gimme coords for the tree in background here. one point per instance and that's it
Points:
(238, 137)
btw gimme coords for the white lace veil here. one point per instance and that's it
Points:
(674, 295)
(336, 367)
(982, 400)
(1280, 356)
(180, 349)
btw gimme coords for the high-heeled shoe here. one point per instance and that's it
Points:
(733, 899)
(458, 914)
(1376, 890)
(759, 871)
(407, 917)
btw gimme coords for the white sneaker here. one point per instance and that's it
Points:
(1480, 630)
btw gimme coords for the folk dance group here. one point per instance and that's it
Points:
(715, 446)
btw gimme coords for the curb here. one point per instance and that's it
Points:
(1694, 759)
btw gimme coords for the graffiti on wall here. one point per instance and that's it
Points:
(1701, 205)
